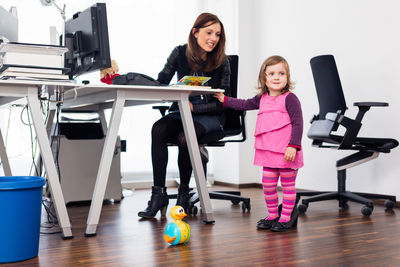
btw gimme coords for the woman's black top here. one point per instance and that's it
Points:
(204, 105)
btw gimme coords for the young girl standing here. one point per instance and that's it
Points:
(278, 133)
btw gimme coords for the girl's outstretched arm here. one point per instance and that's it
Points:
(240, 104)
(220, 96)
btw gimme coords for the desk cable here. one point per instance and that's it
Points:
(59, 96)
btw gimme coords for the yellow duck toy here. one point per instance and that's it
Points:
(177, 232)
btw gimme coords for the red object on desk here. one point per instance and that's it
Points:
(108, 78)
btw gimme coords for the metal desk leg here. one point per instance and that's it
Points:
(195, 158)
(105, 165)
(38, 158)
(3, 156)
(52, 176)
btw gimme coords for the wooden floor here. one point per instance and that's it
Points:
(325, 236)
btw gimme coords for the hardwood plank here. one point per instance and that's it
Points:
(325, 236)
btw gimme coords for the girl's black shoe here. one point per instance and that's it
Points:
(283, 226)
(266, 224)
(262, 221)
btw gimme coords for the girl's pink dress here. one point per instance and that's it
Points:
(273, 133)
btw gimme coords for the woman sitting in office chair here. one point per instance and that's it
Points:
(203, 55)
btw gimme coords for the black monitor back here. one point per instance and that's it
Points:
(87, 40)
(328, 86)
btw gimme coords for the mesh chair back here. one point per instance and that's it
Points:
(328, 86)
(232, 117)
(234, 124)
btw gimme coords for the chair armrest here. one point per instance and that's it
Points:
(234, 131)
(352, 128)
(363, 107)
(241, 114)
(371, 104)
(162, 109)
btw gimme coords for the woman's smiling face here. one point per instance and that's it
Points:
(208, 37)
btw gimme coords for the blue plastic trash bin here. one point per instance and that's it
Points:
(20, 212)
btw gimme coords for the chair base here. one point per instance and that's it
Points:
(343, 197)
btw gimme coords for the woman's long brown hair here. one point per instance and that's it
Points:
(214, 58)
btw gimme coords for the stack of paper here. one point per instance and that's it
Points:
(19, 60)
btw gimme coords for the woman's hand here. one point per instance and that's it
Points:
(191, 106)
(220, 96)
(290, 153)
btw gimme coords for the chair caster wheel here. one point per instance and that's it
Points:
(345, 206)
(366, 211)
(246, 205)
(389, 204)
(302, 208)
(235, 202)
(194, 210)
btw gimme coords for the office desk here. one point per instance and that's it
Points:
(121, 96)
(117, 96)
(11, 90)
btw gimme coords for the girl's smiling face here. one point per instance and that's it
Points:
(276, 78)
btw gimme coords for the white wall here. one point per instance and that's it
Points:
(234, 163)
(362, 35)
(142, 34)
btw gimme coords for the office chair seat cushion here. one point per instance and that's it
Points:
(377, 144)
(211, 137)
(232, 132)
(210, 123)
(331, 139)
(383, 145)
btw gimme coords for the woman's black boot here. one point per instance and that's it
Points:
(183, 198)
(158, 202)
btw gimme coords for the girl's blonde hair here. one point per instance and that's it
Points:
(273, 60)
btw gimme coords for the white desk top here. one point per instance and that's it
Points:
(196, 90)
(95, 93)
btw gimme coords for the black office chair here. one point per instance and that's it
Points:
(234, 126)
(332, 106)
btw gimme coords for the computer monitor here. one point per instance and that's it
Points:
(8, 25)
(86, 37)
